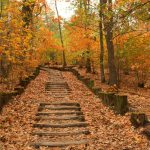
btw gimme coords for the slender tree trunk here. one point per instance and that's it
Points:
(27, 11)
(109, 41)
(88, 59)
(88, 62)
(101, 43)
(61, 36)
(1, 9)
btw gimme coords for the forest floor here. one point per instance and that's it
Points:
(108, 131)
(138, 98)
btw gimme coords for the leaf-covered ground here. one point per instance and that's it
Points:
(108, 131)
(138, 98)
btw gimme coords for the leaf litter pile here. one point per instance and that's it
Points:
(108, 131)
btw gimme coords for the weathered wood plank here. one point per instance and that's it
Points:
(47, 125)
(81, 118)
(60, 103)
(57, 86)
(57, 83)
(61, 108)
(59, 144)
(59, 113)
(40, 133)
(58, 90)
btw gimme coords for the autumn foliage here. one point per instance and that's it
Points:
(23, 47)
(130, 36)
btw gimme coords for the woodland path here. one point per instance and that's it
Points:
(58, 111)
(60, 123)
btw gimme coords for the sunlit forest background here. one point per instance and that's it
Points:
(108, 37)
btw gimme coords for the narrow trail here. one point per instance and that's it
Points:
(60, 123)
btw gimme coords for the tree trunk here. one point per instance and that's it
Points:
(27, 11)
(61, 36)
(110, 46)
(101, 43)
(1, 9)
(86, 5)
(88, 63)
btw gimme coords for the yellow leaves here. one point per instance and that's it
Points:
(24, 48)
(18, 40)
(29, 2)
(81, 39)
(135, 48)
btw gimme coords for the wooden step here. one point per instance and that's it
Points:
(56, 83)
(59, 113)
(40, 133)
(47, 125)
(60, 103)
(58, 88)
(61, 108)
(81, 118)
(57, 93)
(60, 94)
(59, 144)
(49, 91)
(67, 93)
(60, 91)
